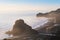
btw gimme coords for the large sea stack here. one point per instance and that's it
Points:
(23, 31)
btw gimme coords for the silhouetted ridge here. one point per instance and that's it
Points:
(58, 10)
(53, 15)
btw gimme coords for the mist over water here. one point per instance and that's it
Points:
(7, 22)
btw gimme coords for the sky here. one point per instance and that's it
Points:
(11, 6)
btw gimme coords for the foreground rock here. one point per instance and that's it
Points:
(22, 31)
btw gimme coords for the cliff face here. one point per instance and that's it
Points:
(53, 15)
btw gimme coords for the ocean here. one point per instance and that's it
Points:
(7, 22)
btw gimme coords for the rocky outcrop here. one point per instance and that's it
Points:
(53, 15)
(23, 31)
(54, 18)
(41, 14)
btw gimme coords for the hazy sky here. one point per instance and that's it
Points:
(7, 6)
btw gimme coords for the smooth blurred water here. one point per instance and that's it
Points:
(7, 22)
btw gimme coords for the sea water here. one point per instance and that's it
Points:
(7, 22)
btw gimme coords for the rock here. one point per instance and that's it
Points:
(41, 14)
(56, 31)
(23, 31)
(53, 15)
